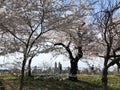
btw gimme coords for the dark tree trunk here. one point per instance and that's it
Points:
(73, 60)
(118, 71)
(22, 75)
(73, 70)
(29, 68)
(104, 79)
(118, 67)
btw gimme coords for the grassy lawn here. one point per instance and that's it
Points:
(87, 82)
(113, 80)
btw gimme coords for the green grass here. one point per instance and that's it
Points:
(53, 83)
(94, 79)
(7, 76)
(87, 82)
(113, 80)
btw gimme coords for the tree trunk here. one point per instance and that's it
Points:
(118, 69)
(104, 79)
(22, 75)
(29, 68)
(73, 70)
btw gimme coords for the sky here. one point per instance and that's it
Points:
(48, 60)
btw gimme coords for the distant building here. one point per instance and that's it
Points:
(60, 68)
(55, 68)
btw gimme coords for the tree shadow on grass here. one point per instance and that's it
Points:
(89, 83)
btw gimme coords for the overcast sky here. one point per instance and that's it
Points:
(48, 60)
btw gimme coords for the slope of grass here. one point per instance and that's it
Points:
(113, 80)
(87, 82)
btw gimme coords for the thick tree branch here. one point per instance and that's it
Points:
(67, 49)
(112, 56)
(80, 53)
(115, 61)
